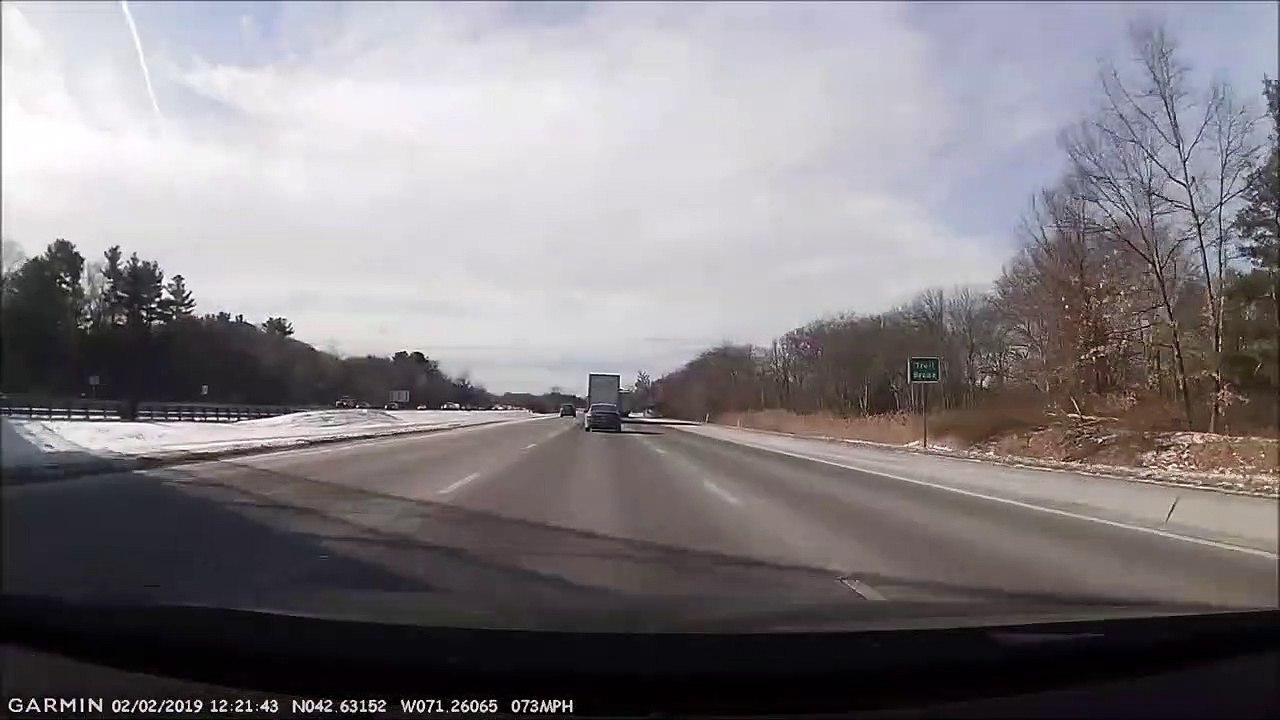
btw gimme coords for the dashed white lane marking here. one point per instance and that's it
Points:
(460, 483)
(1016, 503)
(530, 446)
(862, 589)
(724, 494)
(709, 485)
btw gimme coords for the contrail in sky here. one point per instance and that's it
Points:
(142, 60)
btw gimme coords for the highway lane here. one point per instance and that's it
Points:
(541, 513)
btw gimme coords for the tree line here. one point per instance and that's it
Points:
(1149, 271)
(120, 321)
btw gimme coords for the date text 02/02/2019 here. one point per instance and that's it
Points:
(117, 707)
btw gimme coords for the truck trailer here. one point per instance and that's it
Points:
(604, 388)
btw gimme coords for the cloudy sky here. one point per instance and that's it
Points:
(532, 191)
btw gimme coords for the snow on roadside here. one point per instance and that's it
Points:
(1158, 468)
(919, 444)
(1223, 480)
(1199, 438)
(1155, 467)
(33, 442)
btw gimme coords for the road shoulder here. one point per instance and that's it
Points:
(1234, 520)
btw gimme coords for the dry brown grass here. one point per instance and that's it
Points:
(1152, 415)
(1146, 435)
(957, 428)
(971, 426)
(896, 429)
(1258, 416)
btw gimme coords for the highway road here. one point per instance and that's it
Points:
(539, 512)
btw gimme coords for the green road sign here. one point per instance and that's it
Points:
(924, 370)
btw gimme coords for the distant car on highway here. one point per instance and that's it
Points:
(423, 407)
(568, 410)
(451, 406)
(602, 416)
(363, 405)
(391, 406)
(345, 402)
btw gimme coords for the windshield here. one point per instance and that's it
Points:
(873, 306)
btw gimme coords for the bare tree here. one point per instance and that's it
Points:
(1120, 285)
(962, 321)
(1200, 150)
(1125, 184)
(97, 299)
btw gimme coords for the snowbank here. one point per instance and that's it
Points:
(44, 442)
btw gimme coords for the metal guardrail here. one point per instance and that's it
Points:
(47, 408)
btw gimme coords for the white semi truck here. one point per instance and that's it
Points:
(604, 388)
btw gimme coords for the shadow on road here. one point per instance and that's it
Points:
(239, 534)
(27, 462)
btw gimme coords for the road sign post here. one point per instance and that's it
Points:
(924, 371)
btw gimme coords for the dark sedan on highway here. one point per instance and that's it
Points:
(602, 416)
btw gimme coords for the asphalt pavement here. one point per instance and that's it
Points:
(540, 512)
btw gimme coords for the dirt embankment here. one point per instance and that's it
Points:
(1053, 439)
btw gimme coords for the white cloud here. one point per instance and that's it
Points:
(522, 198)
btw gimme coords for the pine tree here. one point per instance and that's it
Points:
(278, 326)
(177, 302)
(135, 289)
(43, 310)
(112, 298)
(1258, 222)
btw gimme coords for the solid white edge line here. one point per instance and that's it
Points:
(706, 483)
(459, 483)
(1017, 503)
